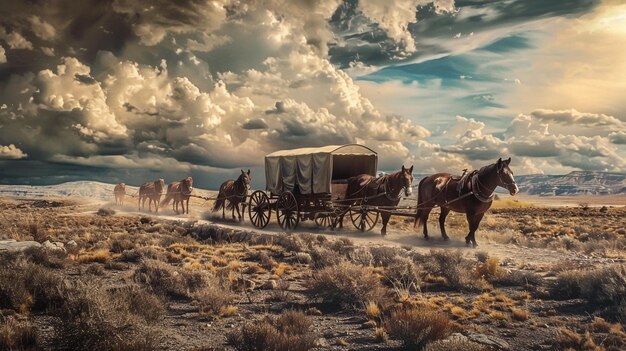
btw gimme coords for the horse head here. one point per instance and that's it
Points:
(245, 179)
(407, 180)
(159, 185)
(186, 185)
(505, 176)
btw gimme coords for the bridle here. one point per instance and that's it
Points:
(387, 192)
(241, 180)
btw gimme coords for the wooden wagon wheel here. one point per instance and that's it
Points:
(363, 219)
(324, 220)
(287, 211)
(259, 209)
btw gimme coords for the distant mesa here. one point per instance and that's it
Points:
(574, 183)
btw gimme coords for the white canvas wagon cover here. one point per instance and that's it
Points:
(312, 170)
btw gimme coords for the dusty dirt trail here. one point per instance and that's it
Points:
(514, 255)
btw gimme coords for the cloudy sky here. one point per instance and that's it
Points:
(129, 90)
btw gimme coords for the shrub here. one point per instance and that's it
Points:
(324, 257)
(291, 331)
(18, 335)
(417, 326)
(207, 291)
(161, 278)
(47, 258)
(489, 269)
(456, 270)
(604, 288)
(362, 256)
(121, 245)
(24, 286)
(403, 274)
(384, 255)
(214, 298)
(345, 284)
(94, 318)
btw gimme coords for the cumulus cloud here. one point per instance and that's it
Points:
(618, 137)
(41, 28)
(15, 40)
(531, 138)
(395, 17)
(11, 152)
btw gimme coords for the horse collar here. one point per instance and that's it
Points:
(476, 189)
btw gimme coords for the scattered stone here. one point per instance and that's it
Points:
(12, 245)
(488, 340)
(269, 285)
(53, 246)
(321, 342)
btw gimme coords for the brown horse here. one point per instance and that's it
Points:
(180, 192)
(233, 191)
(380, 191)
(471, 194)
(119, 191)
(151, 191)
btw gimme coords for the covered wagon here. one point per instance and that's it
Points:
(308, 183)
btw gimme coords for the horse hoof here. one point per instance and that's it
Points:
(446, 238)
(474, 244)
(426, 237)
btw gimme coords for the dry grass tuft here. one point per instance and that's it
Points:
(519, 314)
(417, 326)
(456, 270)
(604, 288)
(18, 335)
(99, 256)
(290, 331)
(345, 284)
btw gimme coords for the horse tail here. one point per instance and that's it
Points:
(219, 202)
(168, 197)
(420, 198)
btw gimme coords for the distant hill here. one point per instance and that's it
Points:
(85, 189)
(574, 183)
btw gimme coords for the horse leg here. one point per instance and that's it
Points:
(139, 204)
(474, 227)
(385, 217)
(187, 205)
(232, 210)
(224, 210)
(442, 222)
(156, 204)
(424, 219)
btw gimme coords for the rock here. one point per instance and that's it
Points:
(71, 243)
(269, 285)
(321, 342)
(53, 246)
(13, 245)
(489, 340)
